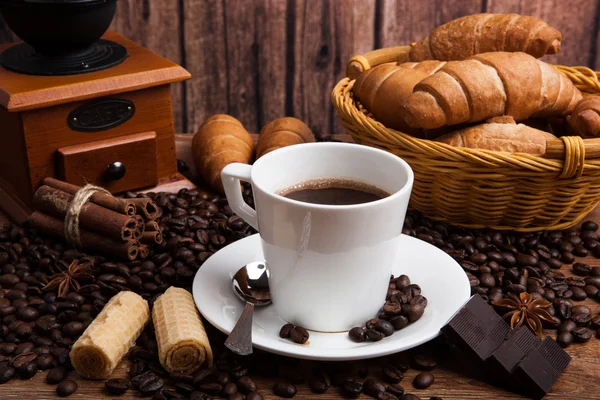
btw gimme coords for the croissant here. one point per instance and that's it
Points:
(428, 66)
(383, 88)
(500, 134)
(585, 118)
(490, 85)
(482, 33)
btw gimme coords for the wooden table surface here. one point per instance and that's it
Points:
(580, 381)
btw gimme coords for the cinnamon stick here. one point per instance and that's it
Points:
(92, 217)
(137, 234)
(146, 207)
(90, 241)
(123, 206)
(143, 251)
(152, 226)
(152, 237)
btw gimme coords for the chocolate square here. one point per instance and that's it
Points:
(505, 359)
(538, 371)
(476, 329)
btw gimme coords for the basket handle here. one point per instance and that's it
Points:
(360, 63)
(574, 151)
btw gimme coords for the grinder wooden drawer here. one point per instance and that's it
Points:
(98, 162)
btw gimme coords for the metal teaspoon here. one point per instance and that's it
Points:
(251, 285)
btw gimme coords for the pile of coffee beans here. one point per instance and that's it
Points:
(499, 263)
(404, 305)
(38, 328)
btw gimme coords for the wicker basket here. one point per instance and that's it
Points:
(482, 188)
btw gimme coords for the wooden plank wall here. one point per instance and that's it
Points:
(261, 59)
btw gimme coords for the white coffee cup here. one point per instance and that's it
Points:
(329, 265)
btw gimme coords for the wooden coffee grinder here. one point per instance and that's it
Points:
(81, 104)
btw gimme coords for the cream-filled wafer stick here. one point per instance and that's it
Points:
(182, 342)
(110, 336)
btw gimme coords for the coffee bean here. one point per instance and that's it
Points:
(373, 387)
(138, 368)
(285, 390)
(395, 389)
(254, 396)
(357, 334)
(210, 388)
(581, 334)
(27, 314)
(595, 271)
(391, 374)
(578, 293)
(374, 335)
(46, 361)
(392, 308)
(590, 291)
(399, 322)
(386, 396)
(6, 374)
(384, 327)
(185, 389)
(73, 329)
(563, 310)
(593, 280)
(8, 280)
(299, 335)
(589, 226)
(319, 382)
(567, 326)
(246, 385)
(222, 378)
(236, 396)
(24, 358)
(56, 375)
(413, 312)
(6, 349)
(5, 311)
(595, 322)
(27, 370)
(352, 389)
(423, 380)
(581, 309)
(149, 383)
(117, 386)
(66, 388)
(25, 347)
(285, 331)
(424, 362)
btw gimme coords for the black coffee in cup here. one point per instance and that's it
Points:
(334, 191)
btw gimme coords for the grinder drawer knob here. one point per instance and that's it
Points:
(115, 171)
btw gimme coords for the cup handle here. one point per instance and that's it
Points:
(231, 176)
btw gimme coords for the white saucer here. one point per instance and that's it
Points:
(442, 281)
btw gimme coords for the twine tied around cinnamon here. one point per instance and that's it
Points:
(82, 196)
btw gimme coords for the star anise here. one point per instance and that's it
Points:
(525, 310)
(68, 278)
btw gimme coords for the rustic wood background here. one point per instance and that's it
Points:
(262, 59)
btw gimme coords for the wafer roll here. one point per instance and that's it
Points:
(182, 342)
(108, 338)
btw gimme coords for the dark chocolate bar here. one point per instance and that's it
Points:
(519, 342)
(476, 329)
(538, 371)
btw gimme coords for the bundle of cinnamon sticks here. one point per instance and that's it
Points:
(111, 226)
